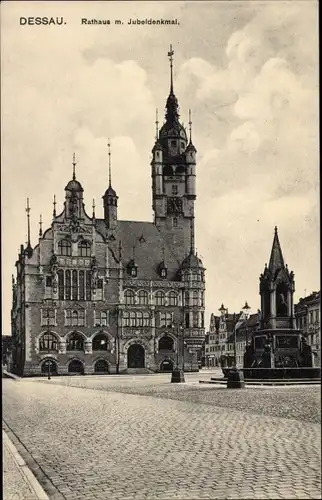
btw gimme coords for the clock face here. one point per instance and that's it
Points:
(174, 205)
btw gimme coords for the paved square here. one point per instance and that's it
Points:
(98, 441)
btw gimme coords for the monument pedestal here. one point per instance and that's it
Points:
(177, 376)
(235, 379)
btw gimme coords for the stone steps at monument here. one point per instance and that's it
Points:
(223, 381)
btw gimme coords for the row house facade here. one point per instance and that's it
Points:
(308, 320)
(106, 295)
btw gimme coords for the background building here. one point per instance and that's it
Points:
(105, 295)
(308, 320)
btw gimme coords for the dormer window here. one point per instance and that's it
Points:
(163, 270)
(132, 269)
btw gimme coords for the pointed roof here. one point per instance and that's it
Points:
(276, 261)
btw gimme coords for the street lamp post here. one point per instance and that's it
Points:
(177, 374)
(48, 332)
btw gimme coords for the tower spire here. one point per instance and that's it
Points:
(74, 166)
(109, 164)
(170, 55)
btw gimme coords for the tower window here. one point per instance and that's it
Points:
(65, 248)
(174, 189)
(175, 222)
(173, 144)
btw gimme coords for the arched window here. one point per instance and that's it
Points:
(172, 298)
(126, 318)
(68, 285)
(75, 342)
(81, 283)
(100, 342)
(48, 342)
(143, 297)
(129, 297)
(159, 298)
(74, 284)
(186, 298)
(64, 248)
(166, 343)
(84, 249)
(60, 284)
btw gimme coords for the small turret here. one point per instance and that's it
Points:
(110, 199)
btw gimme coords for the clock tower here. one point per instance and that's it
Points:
(110, 199)
(174, 177)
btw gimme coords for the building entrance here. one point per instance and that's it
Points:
(135, 356)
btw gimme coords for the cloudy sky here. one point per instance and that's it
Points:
(249, 72)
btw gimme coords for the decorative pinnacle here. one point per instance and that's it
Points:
(74, 166)
(170, 55)
(93, 208)
(156, 125)
(54, 203)
(246, 306)
(109, 164)
(40, 225)
(28, 222)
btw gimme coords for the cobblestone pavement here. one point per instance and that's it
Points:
(15, 487)
(101, 444)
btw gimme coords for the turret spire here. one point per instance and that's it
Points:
(156, 125)
(170, 55)
(54, 203)
(93, 208)
(28, 222)
(109, 164)
(40, 225)
(74, 166)
(190, 124)
(192, 236)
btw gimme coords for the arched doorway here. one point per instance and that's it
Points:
(53, 368)
(166, 366)
(135, 356)
(101, 366)
(166, 343)
(76, 366)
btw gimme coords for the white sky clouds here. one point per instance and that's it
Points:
(249, 73)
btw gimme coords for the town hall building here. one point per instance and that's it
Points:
(111, 296)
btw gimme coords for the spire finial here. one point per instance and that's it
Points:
(190, 124)
(156, 125)
(93, 208)
(54, 203)
(28, 222)
(109, 163)
(170, 55)
(275, 230)
(40, 225)
(74, 166)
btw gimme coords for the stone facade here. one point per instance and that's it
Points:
(105, 295)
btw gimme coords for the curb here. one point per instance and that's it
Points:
(10, 375)
(24, 469)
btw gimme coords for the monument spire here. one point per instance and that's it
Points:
(276, 260)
